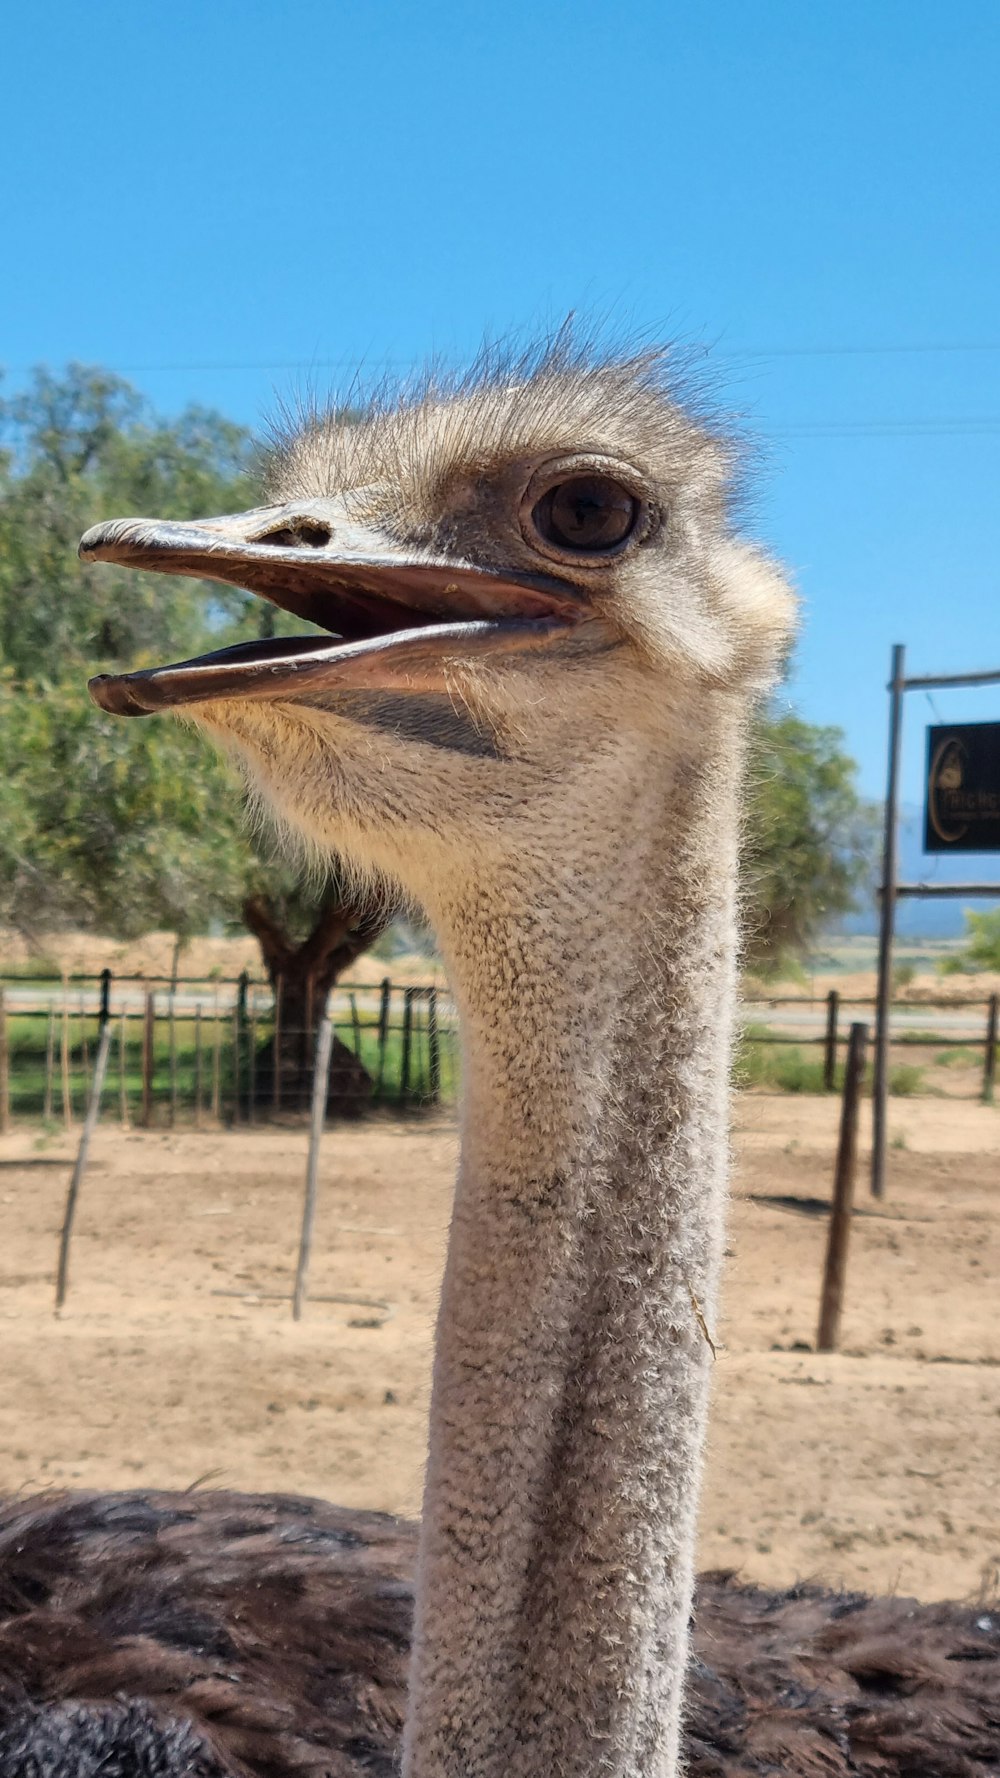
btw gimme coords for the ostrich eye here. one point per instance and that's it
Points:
(587, 513)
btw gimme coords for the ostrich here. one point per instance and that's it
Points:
(545, 641)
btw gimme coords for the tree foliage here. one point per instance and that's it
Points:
(809, 840)
(118, 826)
(981, 949)
(86, 448)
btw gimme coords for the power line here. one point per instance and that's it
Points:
(712, 350)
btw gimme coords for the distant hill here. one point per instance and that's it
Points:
(927, 919)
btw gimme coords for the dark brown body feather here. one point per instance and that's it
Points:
(210, 1634)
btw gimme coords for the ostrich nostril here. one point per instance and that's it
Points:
(302, 536)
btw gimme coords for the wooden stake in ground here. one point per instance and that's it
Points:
(830, 1041)
(320, 1092)
(93, 1110)
(835, 1265)
(385, 1001)
(990, 1060)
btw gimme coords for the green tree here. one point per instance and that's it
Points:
(107, 829)
(85, 448)
(809, 840)
(981, 949)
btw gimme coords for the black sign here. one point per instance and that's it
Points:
(963, 788)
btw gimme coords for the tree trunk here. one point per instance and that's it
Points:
(302, 975)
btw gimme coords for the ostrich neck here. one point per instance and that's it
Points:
(572, 1364)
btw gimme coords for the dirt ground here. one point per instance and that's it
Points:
(177, 1360)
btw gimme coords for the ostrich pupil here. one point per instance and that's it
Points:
(589, 512)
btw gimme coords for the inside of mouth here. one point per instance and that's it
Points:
(273, 650)
(350, 615)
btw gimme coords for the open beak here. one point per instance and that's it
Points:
(395, 617)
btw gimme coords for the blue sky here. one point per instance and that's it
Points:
(220, 198)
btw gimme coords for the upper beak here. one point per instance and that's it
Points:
(383, 603)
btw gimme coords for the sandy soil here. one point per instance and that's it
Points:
(177, 1358)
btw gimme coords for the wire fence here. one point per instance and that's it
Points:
(959, 1032)
(241, 1051)
(224, 1052)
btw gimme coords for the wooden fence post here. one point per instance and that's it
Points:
(320, 1092)
(384, 1006)
(404, 1067)
(434, 1046)
(4, 1066)
(990, 1062)
(838, 1234)
(148, 1037)
(830, 1049)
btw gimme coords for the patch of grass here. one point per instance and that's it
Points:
(756, 1032)
(785, 1068)
(796, 1073)
(905, 1080)
(175, 1068)
(38, 967)
(961, 1057)
(782, 1067)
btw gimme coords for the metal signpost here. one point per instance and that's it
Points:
(962, 815)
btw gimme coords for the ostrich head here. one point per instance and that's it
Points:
(523, 575)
